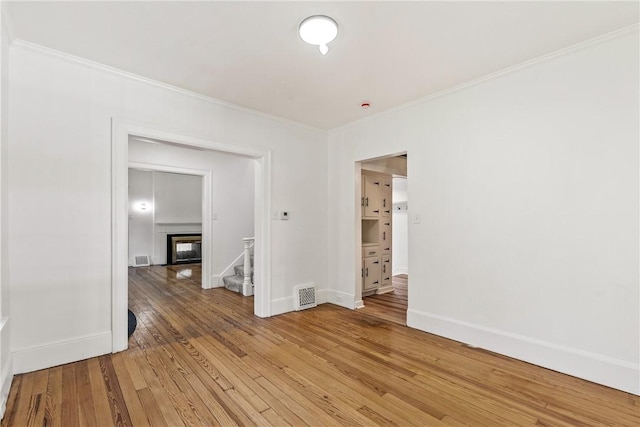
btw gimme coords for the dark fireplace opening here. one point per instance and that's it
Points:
(184, 248)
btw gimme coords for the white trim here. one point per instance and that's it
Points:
(593, 367)
(121, 131)
(234, 263)
(531, 62)
(283, 305)
(341, 299)
(7, 22)
(60, 352)
(6, 369)
(207, 187)
(322, 296)
(358, 264)
(4, 391)
(400, 270)
(27, 45)
(288, 304)
(262, 242)
(96, 65)
(216, 281)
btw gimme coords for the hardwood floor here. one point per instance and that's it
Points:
(200, 358)
(391, 306)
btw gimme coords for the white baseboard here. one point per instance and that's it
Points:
(6, 369)
(342, 299)
(359, 304)
(285, 305)
(4, 391)
(400, 270)
(322, 296)
(282, 305)
(7, 380)
(61, 352)
(216, 281)
(618, 374)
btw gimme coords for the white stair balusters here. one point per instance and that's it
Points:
(247, 286)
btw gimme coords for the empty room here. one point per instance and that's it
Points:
(319, 213)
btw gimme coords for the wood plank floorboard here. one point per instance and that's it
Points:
(201, 358)
(391, 306)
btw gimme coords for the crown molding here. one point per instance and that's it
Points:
(526, 64)
(26, 45)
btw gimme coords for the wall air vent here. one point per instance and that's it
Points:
(141, 261)
(305, 296)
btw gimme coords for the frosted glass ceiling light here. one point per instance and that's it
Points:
(319, 30)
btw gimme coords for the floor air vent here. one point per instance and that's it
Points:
(305, 296)
(141, 261)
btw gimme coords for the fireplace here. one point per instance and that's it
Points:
(184, 248)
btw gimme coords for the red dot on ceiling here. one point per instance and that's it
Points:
(365, 105)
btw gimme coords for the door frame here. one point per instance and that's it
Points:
(121, 130)
(358, 301)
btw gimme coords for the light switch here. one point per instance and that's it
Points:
(417, 218)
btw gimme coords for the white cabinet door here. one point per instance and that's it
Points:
(386, 197)
(371, 197)
(371, 273)
(384, 239)
(385, 274)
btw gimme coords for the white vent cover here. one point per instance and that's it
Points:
(305, 296)
(141, 261)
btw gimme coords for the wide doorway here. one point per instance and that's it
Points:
(383, 239)
(124, 157)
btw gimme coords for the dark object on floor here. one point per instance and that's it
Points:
(133, 322)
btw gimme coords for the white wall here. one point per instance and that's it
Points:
(232, 195)
(140, 220)
(527, 187)
(177, 198)
(6, 368)
(400, 235)
(172, 204)
(60, 195)
(177, 209)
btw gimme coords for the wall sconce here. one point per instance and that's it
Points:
(144, 207)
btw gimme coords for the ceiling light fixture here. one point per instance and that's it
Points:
(319, 30)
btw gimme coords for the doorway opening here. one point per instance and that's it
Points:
(122, 132)
(382, 238)
(165, 213)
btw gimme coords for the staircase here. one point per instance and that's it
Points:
(234, 282)
(242, 280)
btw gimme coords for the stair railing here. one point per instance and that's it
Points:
(247, 286)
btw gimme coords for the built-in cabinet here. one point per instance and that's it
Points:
(376, 215)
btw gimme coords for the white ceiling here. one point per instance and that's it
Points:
(249, 53)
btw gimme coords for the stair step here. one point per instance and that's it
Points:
(239, 270)
(233, 283)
